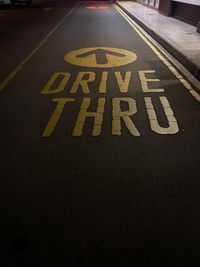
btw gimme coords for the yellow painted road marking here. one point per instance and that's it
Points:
(155, 127)
(144, 82)
(82, 82)
(84, 114)
(48, 89)
(185, 83)
(103, 82)
(56, 115)
(123, 84)
(13, 73)
(119, 115)
(100, 57)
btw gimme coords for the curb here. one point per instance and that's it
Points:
(195, 70)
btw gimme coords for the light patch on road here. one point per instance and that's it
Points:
(2, 14)
(97, 7)
(48, 9)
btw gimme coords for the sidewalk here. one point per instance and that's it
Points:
(177, 37)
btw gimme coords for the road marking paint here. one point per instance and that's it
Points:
(56, 115)
(144, 82)
(123, 84)
(119, 115)
(103, 82)
(182, 80)
(100, 57)
(81, 81)
(84, 80)
(84, 114)
(155, 127)
(17, 69)
(49, 87)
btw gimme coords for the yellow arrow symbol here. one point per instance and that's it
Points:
(100, 57)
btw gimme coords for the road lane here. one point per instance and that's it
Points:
(22, 28)
(84, 195)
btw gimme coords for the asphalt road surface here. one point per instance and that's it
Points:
(100, 145)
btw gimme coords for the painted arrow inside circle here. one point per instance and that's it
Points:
(101, 55)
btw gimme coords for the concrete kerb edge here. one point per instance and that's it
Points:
(195, 70)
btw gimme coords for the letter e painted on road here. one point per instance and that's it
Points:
(144, 82)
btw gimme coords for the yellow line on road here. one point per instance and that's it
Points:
(17, 69)
(185, 83)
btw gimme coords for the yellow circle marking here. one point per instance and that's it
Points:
(100, 57)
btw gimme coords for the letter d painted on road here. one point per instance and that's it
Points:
(57, 83)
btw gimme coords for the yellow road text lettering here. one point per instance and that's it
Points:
(61, 78)
(84, 114)
(56, 115)
(119, 115)
(155, 127)
(82, 82)
(123, 83)
(144, 82)
(103, 82)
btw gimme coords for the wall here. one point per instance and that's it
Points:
(192, 2)
(187, 10)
